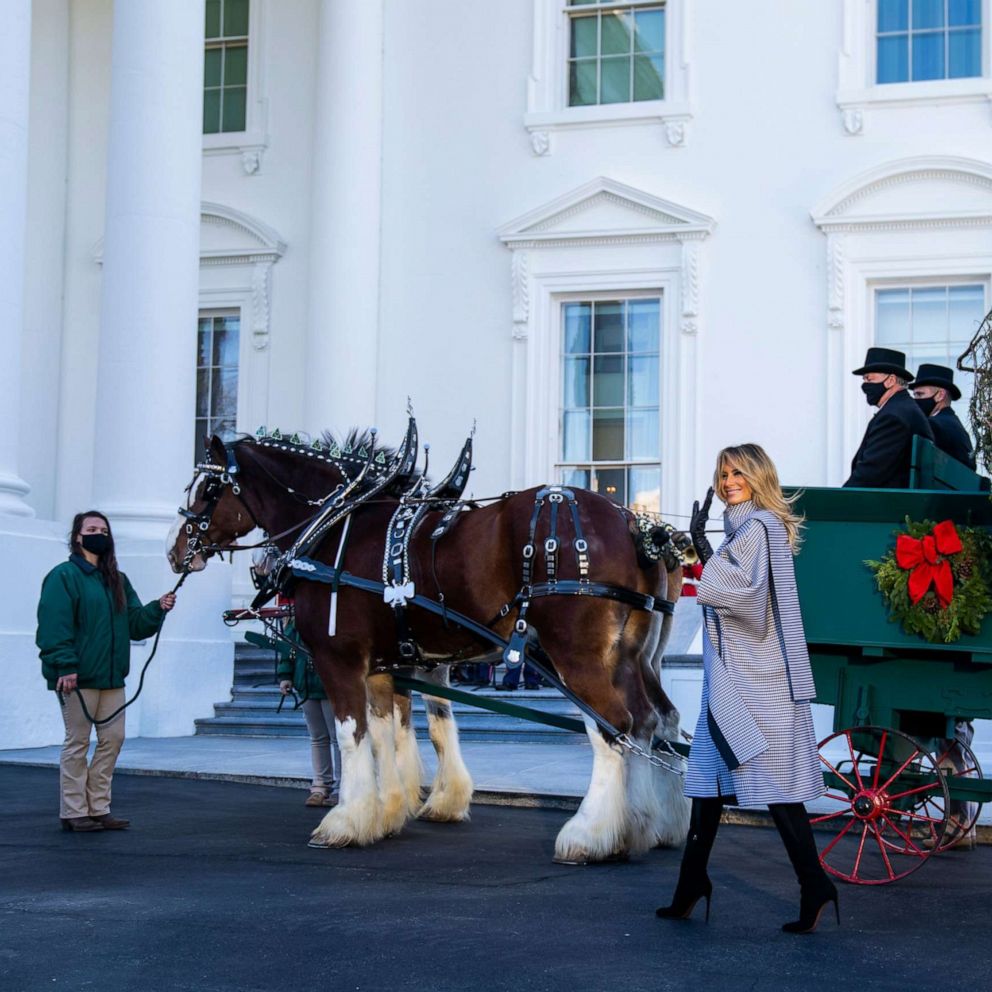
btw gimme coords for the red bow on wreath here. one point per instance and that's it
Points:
(925, 556)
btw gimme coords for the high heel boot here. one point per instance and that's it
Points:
(694, 883)
(816, 890)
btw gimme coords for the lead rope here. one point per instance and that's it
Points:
(141, 680)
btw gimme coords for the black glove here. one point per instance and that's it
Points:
(697, 527)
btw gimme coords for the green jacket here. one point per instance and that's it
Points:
(305, 680)
(80, 632)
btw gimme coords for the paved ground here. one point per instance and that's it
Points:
(215, 890)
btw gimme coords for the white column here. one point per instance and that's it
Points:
(343, 339)
(15, 71)
(147, 360)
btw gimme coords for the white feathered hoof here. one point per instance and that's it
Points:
(353, 824)
(672, 825)
(582, 842)
(450, 804)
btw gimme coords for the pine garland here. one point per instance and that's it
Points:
(972, 571)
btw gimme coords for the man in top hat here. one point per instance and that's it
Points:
(882, 461)
(933, 390)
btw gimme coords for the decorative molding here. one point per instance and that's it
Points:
(675, 131)
(835, 281)
(521, 293)
(540, 141)
(260, 271)
(690, 284)
(854, 121)
(251, 160)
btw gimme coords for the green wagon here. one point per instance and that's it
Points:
(900, 785)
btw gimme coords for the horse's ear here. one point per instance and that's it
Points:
(216, 450)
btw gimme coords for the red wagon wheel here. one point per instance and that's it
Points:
(886, 805)
(957, 760)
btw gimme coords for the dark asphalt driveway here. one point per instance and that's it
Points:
(214, 889)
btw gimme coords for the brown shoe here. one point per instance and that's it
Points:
(80, 824)
(316, 798)
(109, 822)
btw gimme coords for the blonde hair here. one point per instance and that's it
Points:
(766, 492)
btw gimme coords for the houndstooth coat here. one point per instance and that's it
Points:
(754, 738)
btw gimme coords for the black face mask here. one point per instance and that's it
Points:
(926, 405)
(873, 391)
(95, 544)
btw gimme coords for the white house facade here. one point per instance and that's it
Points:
(618, 235)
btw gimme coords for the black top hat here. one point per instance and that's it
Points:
(886, 360)
(937, 375)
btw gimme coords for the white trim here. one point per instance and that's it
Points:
(866, 249)
(547, 86)
(555, 258)
(251, 143)
(858, 93)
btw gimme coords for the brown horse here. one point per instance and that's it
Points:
(607, 652)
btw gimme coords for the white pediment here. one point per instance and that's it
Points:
(930, 189)
(605, 209)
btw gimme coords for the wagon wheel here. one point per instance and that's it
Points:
(957, 760)
(886, 803)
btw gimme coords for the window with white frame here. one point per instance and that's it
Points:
(217, 349)
(616, 52)
(610, 424)
(931, 323)
(225, 66)
(928, 39)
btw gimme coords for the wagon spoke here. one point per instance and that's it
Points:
(899, 770)
(929, 787)
(885, 857)
(905, 837)
(878, 759)
(830, 816)
(830, 846)
(844, 779)
(861, 848)
(850, 748)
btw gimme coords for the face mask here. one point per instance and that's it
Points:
(873, 391)
(95, 544)
(926, 405)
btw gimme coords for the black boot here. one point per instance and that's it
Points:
(815, 888)
(694, 883)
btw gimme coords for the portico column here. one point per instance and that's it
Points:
(343, 339)
(15, 71)
(147, 358)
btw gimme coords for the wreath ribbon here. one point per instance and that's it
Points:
(926, 560)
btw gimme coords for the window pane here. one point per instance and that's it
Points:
(226, 342)
(575, 478)
(928, 14)
(608, 332)
(224, 392)
(928, 55)
(642, 381)
(643, 319)
(610, 482)
(966, 308)
(575, 436)
(235, 18)
(616, 30)
(580, 3)
(213, 19)
(642, 434)
(649, 77)
(234, 108)
(893, 15)
(576, 382)
(235, 65)
(202, 392)
(644, 489)
(607, 435)
(614, 77)
(929, 307)
(893, 59)
(578, 318)
(200, 433)
(203, 343)
(582, 83)
(892, 317)
(608, 381)
(649, 31)
(964, 53)
(961, 12)
(584, 37)
(212, 59)
(211, 111)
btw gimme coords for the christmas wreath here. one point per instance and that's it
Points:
(936, 579)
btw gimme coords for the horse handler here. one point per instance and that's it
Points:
(87, 616)
(754, 743)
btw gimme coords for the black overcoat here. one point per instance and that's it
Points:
(949, 435)
(882, 461)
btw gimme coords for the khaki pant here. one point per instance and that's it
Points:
(324, 753)
(85, 790)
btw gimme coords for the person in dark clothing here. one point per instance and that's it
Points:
(934, 390)
(882, 461)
